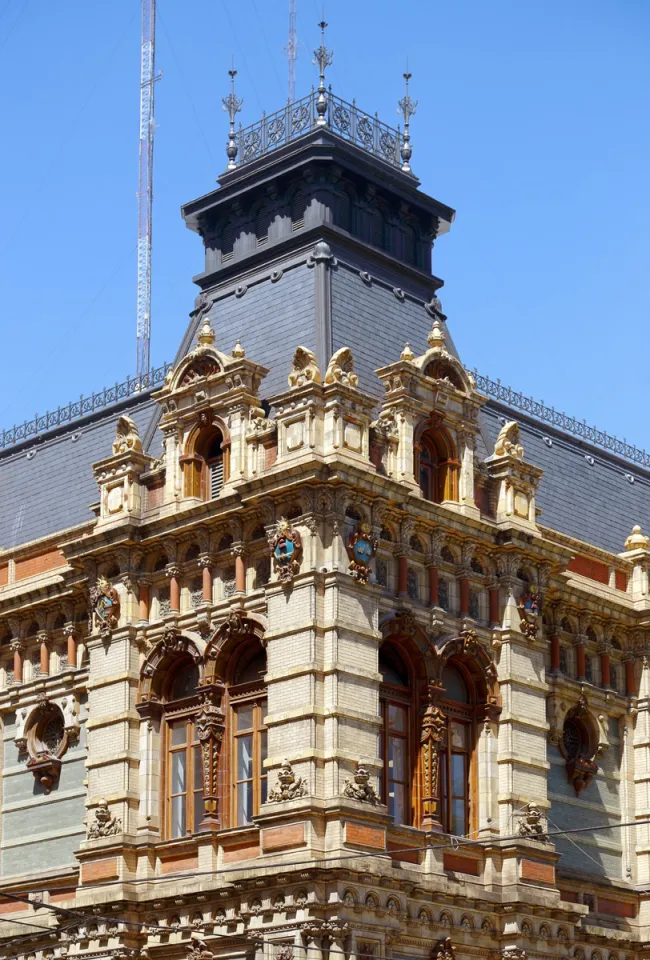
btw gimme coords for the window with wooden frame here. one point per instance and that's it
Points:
(183, 769)
(204, 466)
(396, 737)
(243, 769)
(457, 774)
(437, 466)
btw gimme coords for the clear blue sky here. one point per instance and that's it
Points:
(532, 122)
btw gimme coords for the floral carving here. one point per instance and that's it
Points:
(286, 549)
(104, 825)
(359, 787)
(288, 787)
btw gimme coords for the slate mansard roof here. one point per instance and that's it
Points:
(47, 484)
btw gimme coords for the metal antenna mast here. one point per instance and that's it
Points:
(145, 184)
(292, 51)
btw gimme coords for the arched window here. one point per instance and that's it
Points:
(456, 754)
(437, 466)
(245, 773)
(396, 740)
(203, 465)
(184, 772)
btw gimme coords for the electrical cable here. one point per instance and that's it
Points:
(241, 54)
(186, 88)
(268, 46)
(13, 25)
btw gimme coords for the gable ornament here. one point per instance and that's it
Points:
(304, 368)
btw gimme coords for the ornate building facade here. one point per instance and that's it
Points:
(313, 644)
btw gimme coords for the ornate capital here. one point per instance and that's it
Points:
(43, 638)
(172, 570)
(205, 560)
(17, 646)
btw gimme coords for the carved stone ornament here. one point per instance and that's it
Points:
(386, 425)
(127, 437)
(105, 603)
(359, 787)
(361, 549)
(304, 368)
(432, 736)
(578, 746)
(286, 550)
(508, 442)
(341, 368)
(444, 950)
(529, 610)
(197, 950)
(513, 953)
(288, 787)
(104, 825)
(532, 824)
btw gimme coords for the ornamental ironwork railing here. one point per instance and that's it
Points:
(579, 428)
(77, 409)
(300, 117)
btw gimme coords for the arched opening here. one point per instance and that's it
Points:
(437, 466)
(204, 465)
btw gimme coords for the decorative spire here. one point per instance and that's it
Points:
(232, 104)
(206, 335)
(238, 351)
(407, 109)
(407, 353)
(324, 58)
(437, 336)
(636, 540)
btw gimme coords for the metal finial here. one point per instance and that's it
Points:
(232, 104)
(407, 109)
(324, 58)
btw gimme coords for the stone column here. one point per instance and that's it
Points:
(71, 631)
(205, 565)
(44, 642)
(494, 604)
(463, 589)
(555, 653)
(173, 572)
(604, 650)
(144, 598)
(402, 575)
(18, 648)
(312, 933)
(433, 583)
(581, 667)
(239, 553)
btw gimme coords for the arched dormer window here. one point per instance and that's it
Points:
(204, 465)
(437, 466)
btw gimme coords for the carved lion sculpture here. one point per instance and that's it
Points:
(127, 436)
(508, 443)
(341, 368)
(304, 368)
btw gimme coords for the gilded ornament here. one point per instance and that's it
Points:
(361, 549)
(636, 540)
(286, 550)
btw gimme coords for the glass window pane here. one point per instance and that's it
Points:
(396, 759)
(396, 718)
(458, 818)
(178, 816)
(458, 779)
(458, 735)
(198, 769)
(244, 718)
(455, 687)
(179, 733)
(397, 802)
(263, 753)
(178, 771)
(245, 757)
(244, 803)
